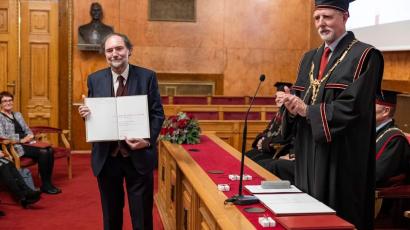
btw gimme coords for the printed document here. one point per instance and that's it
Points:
(114, 118)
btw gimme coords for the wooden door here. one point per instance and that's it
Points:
(9, 59)
(39, 61)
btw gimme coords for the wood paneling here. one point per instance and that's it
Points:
(397, 69)
(9, 60)
(39, 68)
(65, 52)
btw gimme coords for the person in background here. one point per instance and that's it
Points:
(331, 112)
(392, 146)
(13, 126)
(131, 160)
(270, 144)
(11, 178)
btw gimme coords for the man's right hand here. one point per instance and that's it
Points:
(281, 95)
(83, 110)
(259, 144)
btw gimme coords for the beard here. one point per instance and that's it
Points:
(118, 63)
(328, 36)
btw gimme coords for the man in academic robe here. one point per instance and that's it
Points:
(332, 108)
(270, 143)
(392, 146)
(131, 160)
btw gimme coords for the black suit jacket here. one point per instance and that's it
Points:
(140, 81)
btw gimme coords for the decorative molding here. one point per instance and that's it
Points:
(39, 70)
(3, 62)
(4, 21)
(70, 65)
(39, 21)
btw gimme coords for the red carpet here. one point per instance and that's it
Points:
(78, 207)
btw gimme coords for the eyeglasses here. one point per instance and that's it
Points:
(7, 100)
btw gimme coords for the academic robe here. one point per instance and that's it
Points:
(392, 154)
(273, 142)
(335, 143)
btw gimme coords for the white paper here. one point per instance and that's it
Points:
(114, 118)
(258, 189)
(293, 203)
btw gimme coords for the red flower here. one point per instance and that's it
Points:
(163, 131)
(173, 118)
(182, 123)
(171, 130)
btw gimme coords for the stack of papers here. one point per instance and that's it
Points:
(293, 204)
(257, 189)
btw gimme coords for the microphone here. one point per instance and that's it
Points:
(245, 199)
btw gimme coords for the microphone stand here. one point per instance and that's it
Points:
(241, 199)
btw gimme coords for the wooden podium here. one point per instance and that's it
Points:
(188, 199)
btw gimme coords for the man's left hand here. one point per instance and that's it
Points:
(137, 143)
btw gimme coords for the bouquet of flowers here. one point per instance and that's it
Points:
(180, 129)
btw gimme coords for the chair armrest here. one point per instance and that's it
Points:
(64, 139)
(402, 191)
(7, 146)
(45, 129)
(5, 151)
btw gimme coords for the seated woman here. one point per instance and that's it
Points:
(11, 178)
(12, 125)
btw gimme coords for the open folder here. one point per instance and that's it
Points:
(114, 118)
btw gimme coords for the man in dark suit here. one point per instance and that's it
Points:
(132, 159)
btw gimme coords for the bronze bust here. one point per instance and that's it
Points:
(95, 31)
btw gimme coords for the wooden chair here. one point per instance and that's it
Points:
(399, 197)
(9, 150)
(45, 133)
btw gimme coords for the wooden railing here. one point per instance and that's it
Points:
(216, 100)
(223, 112)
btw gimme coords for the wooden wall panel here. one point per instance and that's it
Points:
(397, 68)
(4, 62)
(39, 62)
(65, 52)
(9, 61)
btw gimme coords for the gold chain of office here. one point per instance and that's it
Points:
(316, 83)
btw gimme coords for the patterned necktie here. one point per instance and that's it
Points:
(323, 62)
(121, 148)
(121, 87)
